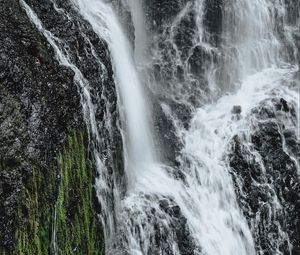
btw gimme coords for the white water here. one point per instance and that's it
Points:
(211, 130)
(248, 30)
(140, 156)
(141, 43)
(133, 101)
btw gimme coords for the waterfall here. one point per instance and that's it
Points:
(213, 90)
(140, 159)
(140, 47)
(206, 195)
(250, 42)
(155, 183)
(133, 103)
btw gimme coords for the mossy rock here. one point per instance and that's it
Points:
(76, 225)
(35, 212)
(56, 212)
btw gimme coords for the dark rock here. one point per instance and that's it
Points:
(166, 138)
(292, 7)
(237, 109)
(179, 66)
(213, 20)
(159, 13)
(200, 61)
(284, 104)
(184, 240)
(39, 104)
(264, 172)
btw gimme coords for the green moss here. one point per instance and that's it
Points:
(76, 228)
(65, 211)
(35, 212)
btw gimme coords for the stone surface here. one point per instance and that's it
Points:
(39, 103)
(266, 176)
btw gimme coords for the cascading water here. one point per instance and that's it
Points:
(203, 203)
(140, 157)
(155, 184)
(253, 64)
(251, 43)
(105, 23)
(141, 44)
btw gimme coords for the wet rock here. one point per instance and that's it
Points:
(266, 177)
(184, 32)
(179, 64)
(158, 224)
(159, 13)
(184, 240)
(284, 104)
(11, 178)
(39, 104)
(200, 61)
(236, 109)
(292, 7)
(213, 19)
(166, 139)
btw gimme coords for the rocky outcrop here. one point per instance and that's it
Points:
(213, 20)
(186, 245)
(264, 168)
(39, 104)
(159, 225)
(180, 62)
(40, 109)
(91, 56)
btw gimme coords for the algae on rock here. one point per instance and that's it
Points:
(76, 228)
(63, 223)
(36, 201)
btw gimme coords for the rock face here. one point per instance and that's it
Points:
(91, 57)
(237, 109)
(185, 242)
(264, 168)
(39, 103)
(40, 109)
(179, 65)
(163, 226)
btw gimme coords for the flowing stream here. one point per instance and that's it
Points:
(133, 101)
(192, 208)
